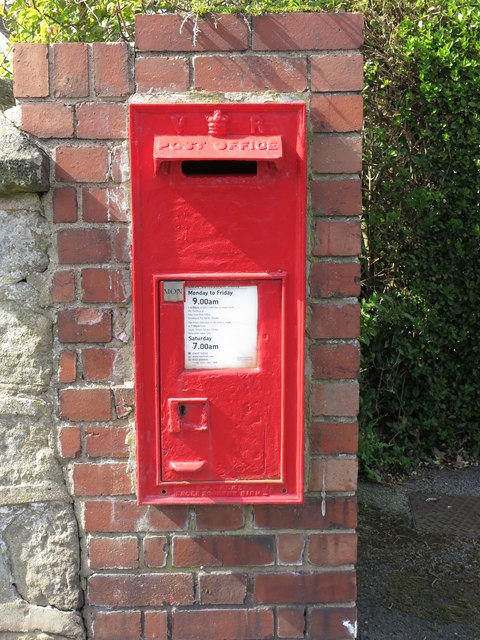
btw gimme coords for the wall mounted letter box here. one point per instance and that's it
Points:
(218, 201)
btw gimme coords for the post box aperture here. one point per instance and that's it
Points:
(218, 203)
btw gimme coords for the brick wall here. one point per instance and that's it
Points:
(219, 572)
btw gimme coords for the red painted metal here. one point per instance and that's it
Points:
(215, 425)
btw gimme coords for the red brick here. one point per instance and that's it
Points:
(223, 551)
(335, 279)
(335, 321)
(333, 549)
(81, 164)
(290, 548)
(121, 244)
(223, 588)
(120, 164)
(70, 70)
(329, 438)
(291, 622)
(223, 624)
(337, 238)
(337, 113)
(112, 625)
(220, 518)
(83, 246)
(113, 553)
(48, 119)
(333, 624)
(335, 360)
(285, 588)
(63, 286)
(335, 398)
(84, 325)
(85, 404)
(160, 74)
(30, 70)
(67, 366)
(250, 73)
(298, 31)
(126, 515)
(101, 120)
(103, 285)
(340, 474)
(147, 590)
(337, 72)
(104, 205)
(122, 324)
(155, 551)
(170, 32)
(98, 363)
(156, 625)
(107, 442)
(340, 512)
(337, 154)
(124, 401)
(111, 73)
(109, 479)
(70, 442)
(65, 204)
(332, 197)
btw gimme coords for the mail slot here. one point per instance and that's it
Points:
(218, 207)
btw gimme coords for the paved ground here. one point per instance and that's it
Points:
(418, 586)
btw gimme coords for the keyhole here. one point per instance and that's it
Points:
(182, 409)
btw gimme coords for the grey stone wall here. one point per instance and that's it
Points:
(40, 592)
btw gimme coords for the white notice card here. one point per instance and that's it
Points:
(220, 327)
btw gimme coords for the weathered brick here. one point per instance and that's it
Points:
(340, 474)
(104, 205)
(224, 624)
(332, 153)
(335, 398)
(155, 550)
(340, 512)
(48, 119)
(109, 479)
(30, 70)
(291, 622)
(112, 625)
(107, 442)
(101, 120)
(63, 286)
(98, 364)
(290, 548)
(299, 31)
(70, 70)
(305, 588)
(329, 438)
(120, 164)
(113, 553)
(83, 246)
(337, 72)
(156, 625)
(169, 32)
(223, 588)
(161, 74)
(250, 73)
(67, 366)
(81, 405)
(220, 518)
(147, 590)
(335, 320)
(121, 244)
(335, 279)
(81, 164)
(65, 204)
(215, 551)
(103, 285)
(84, 325)
(337, 113)
(337, 238)
(70, 442)
(334, 624)
(111, 73)
(333, 549)
(335, 360)
(126, 515)
(124, 401)
(337, 197)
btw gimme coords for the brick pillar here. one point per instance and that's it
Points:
(219, 572)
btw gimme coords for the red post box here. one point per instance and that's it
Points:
(218, 202)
